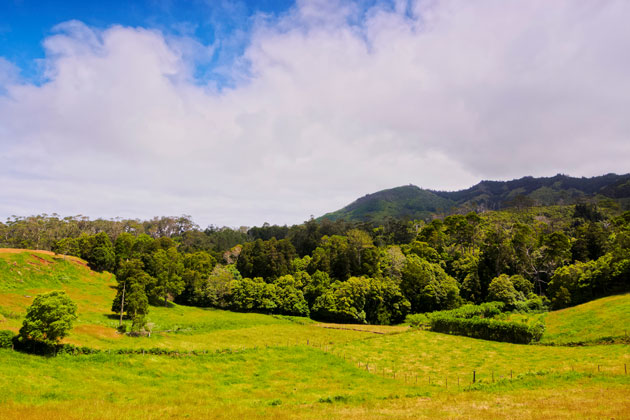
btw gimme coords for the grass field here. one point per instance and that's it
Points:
(260, 366)
(590, 322)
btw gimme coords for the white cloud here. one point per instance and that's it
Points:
(334, 102)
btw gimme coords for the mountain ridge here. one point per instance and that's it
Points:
(412, 202)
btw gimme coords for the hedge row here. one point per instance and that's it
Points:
(8, 339)
(487, 329)
(484, 310)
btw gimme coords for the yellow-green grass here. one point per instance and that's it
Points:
(346, 371)
(295, 382)
(440, 358)
(590, 322)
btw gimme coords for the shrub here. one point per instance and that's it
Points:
(487, 329)
(485, 310)
(6, 339)
(49, 318)
(417, 320)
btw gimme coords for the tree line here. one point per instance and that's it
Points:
(351, 272)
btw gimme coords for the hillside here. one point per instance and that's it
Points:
(260, 366)
(605, 319)
(411, 202)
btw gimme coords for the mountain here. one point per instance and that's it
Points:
(411, 202)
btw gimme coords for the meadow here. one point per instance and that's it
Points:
(249, 365)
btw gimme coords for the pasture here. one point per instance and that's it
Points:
(248, 365)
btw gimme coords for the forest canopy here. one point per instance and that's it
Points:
(350, 271)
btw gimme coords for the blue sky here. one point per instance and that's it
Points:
(25, 23)
(240, 113)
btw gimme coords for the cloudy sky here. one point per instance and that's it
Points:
(241, 113)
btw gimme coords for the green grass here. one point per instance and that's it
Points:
(294, 382)
(587, 323)
(260, 366)
(446, 357)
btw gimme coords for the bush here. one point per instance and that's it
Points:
(49, 318)
(6, 339)
(534, 304)
(485, 310)
(487, 329)
(417, 320)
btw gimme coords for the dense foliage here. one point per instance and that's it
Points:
(487, 329)
(49, 318)
(352, 272)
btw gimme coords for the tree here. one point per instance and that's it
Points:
(49, 318)
(132, 284)
(167, 267)
(501, 289)
(427, 286)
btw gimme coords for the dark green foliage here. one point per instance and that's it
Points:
(477, 321)
(362, 300)
(487, 329)
(501, 289)
(407, 202)
(268, 259)
(166, 267)
(417, 320)
(134, 281)
(591, 242)
(281, 297)
(198, 267)
(6, 339)
(427, 286)
(485, 310)
(580, 282)
(289, 298)
(469, 257)
(411, 202)
(98, 251)
(49, 318)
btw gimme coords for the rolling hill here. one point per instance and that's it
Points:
(411, 202)
(249, 365)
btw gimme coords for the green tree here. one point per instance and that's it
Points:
(167, 267)
(427, 286)
(501, 289)
(131, 297)
(49, 318)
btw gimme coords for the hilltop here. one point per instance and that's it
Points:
(412, 202)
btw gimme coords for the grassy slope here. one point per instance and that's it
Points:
(590, 322)
(25, 274)
(328, 379)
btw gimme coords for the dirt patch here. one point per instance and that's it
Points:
(34, 253)
(20, 250)
(41, 260)
(95, 331)
(374, 329)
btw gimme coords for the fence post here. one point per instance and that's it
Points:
(510, 373)
(625, 368)
(474, 376)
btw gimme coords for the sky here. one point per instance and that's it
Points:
(239, 113)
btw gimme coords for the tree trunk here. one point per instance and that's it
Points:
(122, 304)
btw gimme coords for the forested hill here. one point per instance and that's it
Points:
(411, 202)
